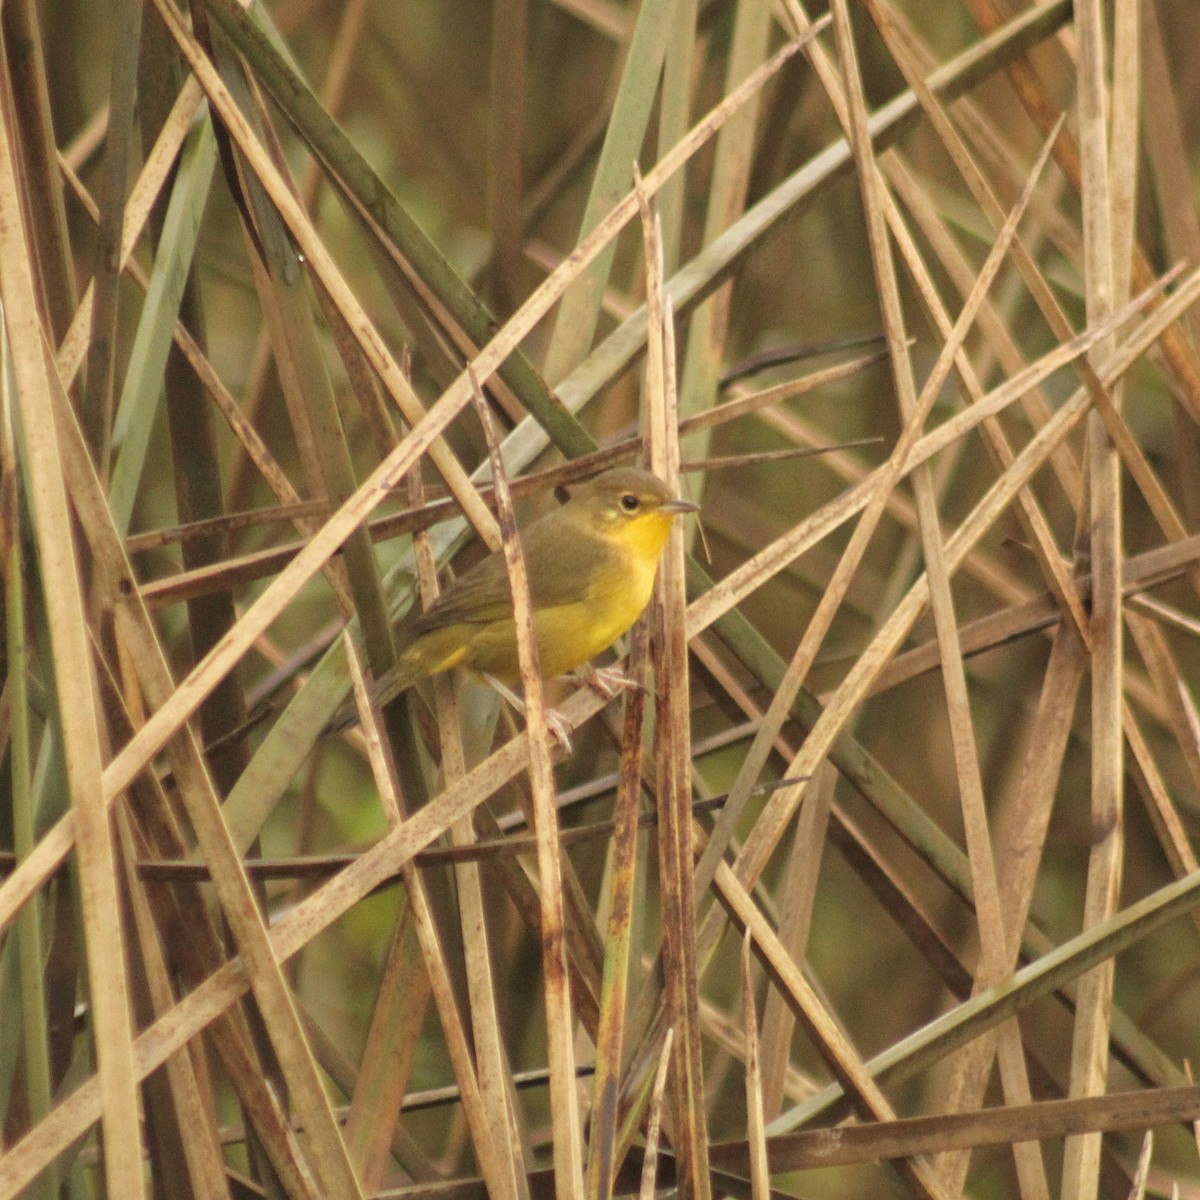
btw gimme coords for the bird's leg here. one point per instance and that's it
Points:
(554, 720)
(608, 681)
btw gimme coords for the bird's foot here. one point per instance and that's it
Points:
(556, 724)
(607, 681)
(558, 728)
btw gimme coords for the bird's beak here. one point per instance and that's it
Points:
(680, 506)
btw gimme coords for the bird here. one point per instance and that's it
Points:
(591, 565)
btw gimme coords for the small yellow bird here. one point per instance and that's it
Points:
(591, 567)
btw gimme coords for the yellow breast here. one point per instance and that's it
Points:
(571, 634)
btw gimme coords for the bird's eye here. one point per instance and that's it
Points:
(630, 503)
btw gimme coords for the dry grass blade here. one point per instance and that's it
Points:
(650, 1160)
(506, 176)
(143, 195)
(494, 1164)
(625, 132)
(168, 285)
(29, 933)
(733, 157)
(493, 1071)
(78, 718)
(1130, 452)
(251, 441)
(760, 1179)
(1138, 1190)
(829, 1038)
(1101, 545)
(972, 1069)
(990, 1126)
(29, 96)
(188, 1147)
(797, 899)
(145, 654)
(322, 263)
(980, 1013)
(673, 713)
(610, 1035)
(564, 1097)
(238, 902)
(97, 406)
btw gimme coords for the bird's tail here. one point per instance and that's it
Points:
(409, 669)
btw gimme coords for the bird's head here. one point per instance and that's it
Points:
(632, 508)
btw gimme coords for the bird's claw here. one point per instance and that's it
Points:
(556, 725)
(607, 681)
(558, 728)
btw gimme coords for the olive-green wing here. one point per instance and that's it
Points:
(557, 557)
(561, 558)
(477, 596)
